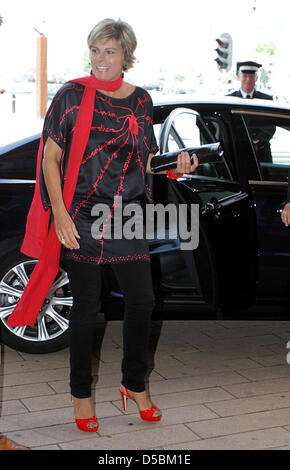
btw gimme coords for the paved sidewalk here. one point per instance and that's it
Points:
(220, 385)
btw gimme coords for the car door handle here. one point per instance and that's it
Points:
(213, 208)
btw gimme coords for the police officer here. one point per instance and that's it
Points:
(247, 73)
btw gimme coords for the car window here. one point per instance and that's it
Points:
(157, 130)
(270, 137)
(186, 132)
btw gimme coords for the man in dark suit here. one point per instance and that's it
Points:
(247, 73)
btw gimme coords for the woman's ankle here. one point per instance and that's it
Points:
(83, 407)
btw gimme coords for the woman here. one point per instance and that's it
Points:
(116, 156)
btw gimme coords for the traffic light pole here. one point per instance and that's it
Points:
(224, 52)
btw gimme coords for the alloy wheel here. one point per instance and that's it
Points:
(53, 318)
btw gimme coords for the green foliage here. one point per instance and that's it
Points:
(200, 78)
(268, 48)
(264, 77)
(179, 78)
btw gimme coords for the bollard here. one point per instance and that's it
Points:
(41, 76)
(13, 102)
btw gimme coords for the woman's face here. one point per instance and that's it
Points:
(106, 59)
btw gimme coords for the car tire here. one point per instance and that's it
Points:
(50, 332)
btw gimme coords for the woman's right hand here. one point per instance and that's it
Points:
(64, 225)
(66, 229)
(285, 215)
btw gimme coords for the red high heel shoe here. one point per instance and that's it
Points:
(86, 424)
(146, 415)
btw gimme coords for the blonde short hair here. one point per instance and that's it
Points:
(119, 30)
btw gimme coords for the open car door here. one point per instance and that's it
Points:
(220, 270)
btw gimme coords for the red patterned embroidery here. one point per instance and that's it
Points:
(59, 95)
(110, 260)
(127, 140)
(68, 111)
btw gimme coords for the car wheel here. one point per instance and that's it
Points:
(50, 332)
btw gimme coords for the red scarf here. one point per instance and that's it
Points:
(108, 86)
(39, 242)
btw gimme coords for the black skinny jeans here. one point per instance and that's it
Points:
(136, 285)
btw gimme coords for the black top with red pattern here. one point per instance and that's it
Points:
(113, 168)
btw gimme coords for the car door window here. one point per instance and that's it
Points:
(189, 131)
(270, 137)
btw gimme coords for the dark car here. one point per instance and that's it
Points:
(242, 254)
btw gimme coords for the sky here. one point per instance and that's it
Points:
(177, 37)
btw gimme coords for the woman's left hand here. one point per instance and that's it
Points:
(184, 164)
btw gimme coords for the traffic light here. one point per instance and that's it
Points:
(224, 51)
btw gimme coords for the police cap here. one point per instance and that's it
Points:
(248, 67)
